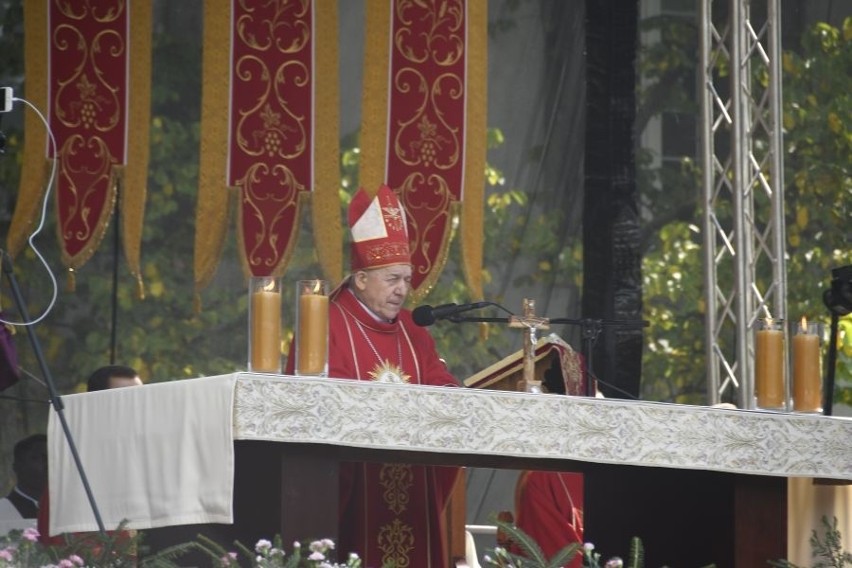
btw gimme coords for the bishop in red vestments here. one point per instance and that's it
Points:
(390, 514)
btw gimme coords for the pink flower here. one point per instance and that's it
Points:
(6, 554)
(316, 556)
(76, 560)
(30, 534)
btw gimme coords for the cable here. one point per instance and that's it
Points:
(41, 222)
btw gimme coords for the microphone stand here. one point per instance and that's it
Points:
(55, 399)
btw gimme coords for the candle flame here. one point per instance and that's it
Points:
(270, 286)
(317, 286)
(804, 325)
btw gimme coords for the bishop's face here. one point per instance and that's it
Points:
(384, 290)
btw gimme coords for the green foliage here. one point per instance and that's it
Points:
(818, 192)
(827, 551)
(818, 175)
(637, 553)
(120, 549)
(532, 555)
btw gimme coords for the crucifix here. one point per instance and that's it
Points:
(531, 323)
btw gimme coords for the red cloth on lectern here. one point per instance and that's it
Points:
(549, 508)
(388, 512)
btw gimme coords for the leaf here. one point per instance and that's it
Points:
(529, 546)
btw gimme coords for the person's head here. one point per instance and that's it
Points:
(380, 252)
(383, 290)
(30, 464)
(113, 377)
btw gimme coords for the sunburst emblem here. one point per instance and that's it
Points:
(387, 372)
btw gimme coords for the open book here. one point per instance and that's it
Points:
(557, 366)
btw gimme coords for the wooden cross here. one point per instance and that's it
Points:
(532, 323)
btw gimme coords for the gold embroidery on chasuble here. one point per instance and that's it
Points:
(396, 480)
(396, 541)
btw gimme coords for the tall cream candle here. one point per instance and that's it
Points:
(807, 383)
(312, 341)
(266, 331)
(769, 368)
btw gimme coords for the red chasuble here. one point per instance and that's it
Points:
(389, 513)
(549, 508)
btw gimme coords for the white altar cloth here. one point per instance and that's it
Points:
(162, 454)
(157, 455)
(488, 422)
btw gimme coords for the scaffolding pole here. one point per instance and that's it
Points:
(743, 183)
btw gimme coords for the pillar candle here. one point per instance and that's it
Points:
(769, 368)
(313, 334)
(266, 331)
(807, 386)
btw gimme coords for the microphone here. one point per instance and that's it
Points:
(427, 315)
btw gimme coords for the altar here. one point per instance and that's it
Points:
(697, 484)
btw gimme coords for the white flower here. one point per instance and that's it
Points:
(316, 556)
(262, 546)
(614, 562)
(588, 547)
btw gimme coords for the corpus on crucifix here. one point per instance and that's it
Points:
(530, 323)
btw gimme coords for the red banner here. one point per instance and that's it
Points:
(271, 138)
(420, 93)
(426, 126)
(88, 116)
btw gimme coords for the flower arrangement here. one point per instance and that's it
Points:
(267, 554)
(22, 549)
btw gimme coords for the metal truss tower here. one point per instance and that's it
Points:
(743, 187)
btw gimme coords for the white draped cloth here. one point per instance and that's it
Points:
(157, 455)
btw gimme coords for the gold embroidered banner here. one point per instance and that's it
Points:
(282, 133)
(423, 131)
(88, 89)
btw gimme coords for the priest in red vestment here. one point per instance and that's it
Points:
(390, 514)
(549, 508)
